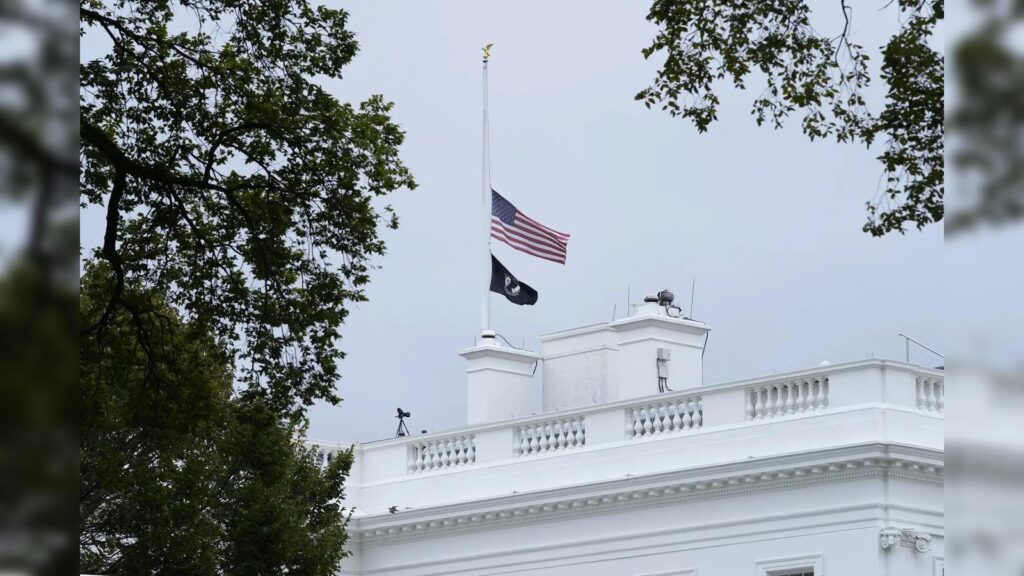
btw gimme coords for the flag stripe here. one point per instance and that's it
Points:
(525, 226)
(516, 242)
(529, 236)
(561, 235)
(532, 253)
(546, 255)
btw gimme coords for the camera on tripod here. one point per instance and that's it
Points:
(403, 430)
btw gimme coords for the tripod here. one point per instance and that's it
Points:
(403, 430)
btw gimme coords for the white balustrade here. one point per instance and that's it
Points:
(559, 434)
(442, 453)
(323, 455)
(931, 394)
(663, 417)
(776, 399)
(550, 436)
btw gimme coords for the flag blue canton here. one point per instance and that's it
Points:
(503, 209)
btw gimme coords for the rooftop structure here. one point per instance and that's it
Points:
(636, 467)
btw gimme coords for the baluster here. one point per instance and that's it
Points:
(758, 403)
(447, 456)
(563, 433)
(940, 389)
(798, 400)
(472, 449)
(582, 436)
(534, 440)
(648, 425)
(815, 384)
(930, 395)
(658, 423)
(700, 413)
(637, 428)
(748, 404)
(787, 398)
(824, 399)
(687, 421)
(677, 422)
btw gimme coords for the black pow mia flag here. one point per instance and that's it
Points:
(503, 282)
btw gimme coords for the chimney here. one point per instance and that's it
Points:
(658, 349)
(499, 381)
(654, 350)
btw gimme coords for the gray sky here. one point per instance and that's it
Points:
(768, 222)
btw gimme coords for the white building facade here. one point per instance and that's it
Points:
(834, 470)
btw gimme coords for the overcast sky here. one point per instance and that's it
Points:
(767, 222)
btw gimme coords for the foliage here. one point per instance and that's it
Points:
(38, 286)
(706, 42)
(178, 475)
(235, 186)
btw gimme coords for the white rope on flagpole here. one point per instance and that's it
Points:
(485, 197)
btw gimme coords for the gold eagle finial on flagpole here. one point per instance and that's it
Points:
(487, 52)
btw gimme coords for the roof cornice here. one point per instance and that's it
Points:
(780, 472)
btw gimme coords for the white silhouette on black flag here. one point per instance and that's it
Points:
(503, 282)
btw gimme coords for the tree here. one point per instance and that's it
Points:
(708, 41)
(233, 185)
(38, 287)
(179, 475)
(242, 203)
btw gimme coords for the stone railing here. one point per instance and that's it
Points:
(443, 453)
(764, 401)
(324, 452)
(931, 394)
(550, 436)
(785, 398)
(664, 416)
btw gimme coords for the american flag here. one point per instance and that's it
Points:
(520, 232)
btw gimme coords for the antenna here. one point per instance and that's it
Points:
(693, 287)
(403, 430)
(614, 308)
(908, 340)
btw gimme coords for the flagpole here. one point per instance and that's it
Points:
(486, 335)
